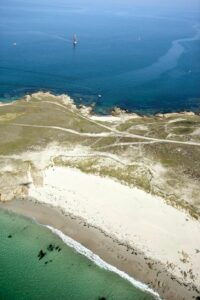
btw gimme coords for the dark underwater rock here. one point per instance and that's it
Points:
(50, 247)
(58, 248)
(41, 254)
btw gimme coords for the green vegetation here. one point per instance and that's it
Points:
(183, 130)
(48, 130)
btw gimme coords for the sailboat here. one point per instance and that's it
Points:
(74, 40)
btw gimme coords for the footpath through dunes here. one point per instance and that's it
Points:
(57, 153)
(150, 152)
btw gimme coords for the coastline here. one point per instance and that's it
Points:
(115, 113)
(100, 151)
(82, 237)
(125, 258)
(101, 263)
(115, 222)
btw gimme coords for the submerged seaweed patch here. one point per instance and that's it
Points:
(41, 254)
(50, 247)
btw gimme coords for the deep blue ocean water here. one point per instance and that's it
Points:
(140, 55)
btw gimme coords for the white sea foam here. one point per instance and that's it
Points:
(98, 261)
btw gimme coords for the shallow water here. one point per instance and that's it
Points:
(140, 55)
(62, 273)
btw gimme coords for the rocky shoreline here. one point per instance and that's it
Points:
(88, 110)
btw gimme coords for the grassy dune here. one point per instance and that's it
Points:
(159, 154)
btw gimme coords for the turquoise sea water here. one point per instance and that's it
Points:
(62, 273)
(140, 55)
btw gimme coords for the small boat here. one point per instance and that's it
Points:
(74, 40)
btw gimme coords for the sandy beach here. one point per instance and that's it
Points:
(127, 227)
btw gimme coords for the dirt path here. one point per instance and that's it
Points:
(107, 134)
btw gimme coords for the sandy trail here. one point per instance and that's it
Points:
(103, 134)
(107, 134)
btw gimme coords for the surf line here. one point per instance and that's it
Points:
(99, 262)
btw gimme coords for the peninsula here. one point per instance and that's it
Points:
(125, 186)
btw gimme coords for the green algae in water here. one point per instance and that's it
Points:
(36, 264)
